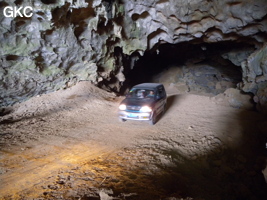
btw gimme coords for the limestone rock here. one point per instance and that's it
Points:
(255, 77)
(66, 41)
(236, 99)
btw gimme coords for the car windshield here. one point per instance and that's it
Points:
(141, 93)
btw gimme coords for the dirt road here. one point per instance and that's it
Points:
(71, 145)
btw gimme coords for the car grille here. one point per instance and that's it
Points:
(133, 108)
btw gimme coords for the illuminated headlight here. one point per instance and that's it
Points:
(122, 107)
(145, 109)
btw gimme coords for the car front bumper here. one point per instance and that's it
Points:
(134, 115)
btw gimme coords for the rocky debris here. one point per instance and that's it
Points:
(199, 78)
(238, 100)
(105, 194)
(235, 98)
(3, 170)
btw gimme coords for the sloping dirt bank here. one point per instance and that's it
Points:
(71, 145)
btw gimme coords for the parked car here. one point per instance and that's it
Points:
(145, 101)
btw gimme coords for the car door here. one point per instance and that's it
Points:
(161, 98)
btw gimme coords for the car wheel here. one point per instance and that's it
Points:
(153, 119)
(164, 109)
(122, 120)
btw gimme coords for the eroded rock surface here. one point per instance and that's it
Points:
(66, 41)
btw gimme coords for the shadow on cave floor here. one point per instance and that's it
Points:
(220, 171)
(171, 101)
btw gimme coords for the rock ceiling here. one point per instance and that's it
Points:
(66, 41)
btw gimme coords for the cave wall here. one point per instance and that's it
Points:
(255, 77)
(62, 43)
(66, 41)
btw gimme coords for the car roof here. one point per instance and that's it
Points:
(147, 85)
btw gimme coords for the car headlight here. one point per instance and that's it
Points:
(122, 107)
(145, 109)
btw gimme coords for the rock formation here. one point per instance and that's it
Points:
(66, 41)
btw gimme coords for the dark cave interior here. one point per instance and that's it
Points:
(153, 63)
(205, 146)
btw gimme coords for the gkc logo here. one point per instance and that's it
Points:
(10, 11)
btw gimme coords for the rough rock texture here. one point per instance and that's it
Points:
(255, 76)
(199, 78)
(62, 43)
(67, 41)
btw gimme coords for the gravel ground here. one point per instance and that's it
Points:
(70, 145)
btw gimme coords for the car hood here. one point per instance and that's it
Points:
(138, 102)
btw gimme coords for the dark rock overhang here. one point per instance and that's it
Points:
(65, 41)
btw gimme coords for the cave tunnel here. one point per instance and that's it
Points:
(60, 133)
(202, 67)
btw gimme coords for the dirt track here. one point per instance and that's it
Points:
(71, 145)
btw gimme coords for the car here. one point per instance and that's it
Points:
(144, 102)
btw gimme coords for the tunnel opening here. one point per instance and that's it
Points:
(187, 67)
